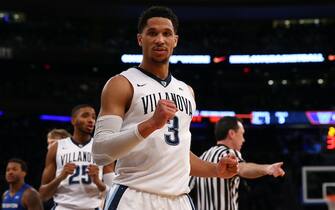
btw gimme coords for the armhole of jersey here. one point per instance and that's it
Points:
(191, 90)
(192, 93)
(58, 146)
(239, 156)
(132, 95)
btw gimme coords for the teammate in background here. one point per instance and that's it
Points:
(144, 124)
(53, 136)
(70, 174)
(222, 194)
(20, 195)
(56, 134)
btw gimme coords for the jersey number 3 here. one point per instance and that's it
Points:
(173, 138)
(80, 174)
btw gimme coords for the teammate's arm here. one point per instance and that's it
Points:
(227, 167)
(109, 142)
(253, 170)
(49, 180)
(109, 174)
(31, 200)
(109, 168)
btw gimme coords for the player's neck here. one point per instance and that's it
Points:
(159, 70)
(14, 187)
(80, 138)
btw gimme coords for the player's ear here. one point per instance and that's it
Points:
(139, 39)
(24, 174)
(73, 121)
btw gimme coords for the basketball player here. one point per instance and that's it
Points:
(56, 134)
(53, 136)
(70, 174)
(144, 123)
(222, 194)
(20, 195)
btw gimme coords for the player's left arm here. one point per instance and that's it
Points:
(253, 170)
(31, 200)
(227, 167)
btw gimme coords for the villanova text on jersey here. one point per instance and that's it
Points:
(150, 102)
(164, 154)
(77, 156)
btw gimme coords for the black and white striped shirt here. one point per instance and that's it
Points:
(216, 193)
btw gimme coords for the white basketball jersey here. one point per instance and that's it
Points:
(77, 191)
(160, 163)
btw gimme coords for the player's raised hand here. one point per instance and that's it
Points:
(68, 169)
(165, 110)
(227, 167)
(275, 169)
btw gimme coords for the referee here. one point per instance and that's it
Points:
(222, 194)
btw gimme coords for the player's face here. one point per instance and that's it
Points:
(85, 120)
(14, 173)
(238, 138)
(158, 39)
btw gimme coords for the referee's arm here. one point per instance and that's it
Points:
(253, 170)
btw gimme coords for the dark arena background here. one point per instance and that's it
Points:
(271, 63)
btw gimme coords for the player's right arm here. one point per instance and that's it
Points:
(109, 142)
(50, 182)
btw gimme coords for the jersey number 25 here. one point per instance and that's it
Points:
(80, 175)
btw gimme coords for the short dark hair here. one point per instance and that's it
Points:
(224, 125)
(22, 163)
(157, 11)
(76, 108)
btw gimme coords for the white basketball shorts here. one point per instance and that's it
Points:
(121, 197)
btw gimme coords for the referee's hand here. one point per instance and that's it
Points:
(275, 169)
(227, 167)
